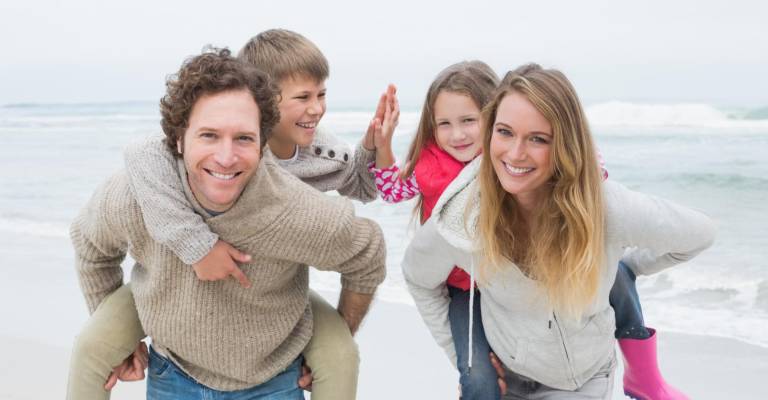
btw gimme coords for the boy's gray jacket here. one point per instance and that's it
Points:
(527, 335)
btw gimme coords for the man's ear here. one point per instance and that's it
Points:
(178, 146)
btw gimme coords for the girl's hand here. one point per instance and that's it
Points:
(391, 117)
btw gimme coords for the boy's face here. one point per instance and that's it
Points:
(302, 105)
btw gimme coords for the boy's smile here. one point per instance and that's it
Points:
(302, 105)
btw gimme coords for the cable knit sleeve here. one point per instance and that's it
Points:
(324, 232)
(358, 183)
(168, 215)
(100, 244)
(391, 186)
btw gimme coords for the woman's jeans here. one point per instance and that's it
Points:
(166, 381)
(479, 382)
(626, 306)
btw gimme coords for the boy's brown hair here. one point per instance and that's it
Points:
(285, 54)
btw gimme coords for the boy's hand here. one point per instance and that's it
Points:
(131, 369)
(220, 263)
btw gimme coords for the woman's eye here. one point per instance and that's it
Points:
(504, 132)
(539, 139)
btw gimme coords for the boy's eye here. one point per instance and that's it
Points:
(321, 95)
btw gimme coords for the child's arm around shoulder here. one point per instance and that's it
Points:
(169, 217)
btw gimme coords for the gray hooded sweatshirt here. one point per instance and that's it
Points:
(528, 336)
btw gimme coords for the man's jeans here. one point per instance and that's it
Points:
(479, 382)
(167, 381)
(626, 306)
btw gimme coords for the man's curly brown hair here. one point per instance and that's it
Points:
(214, 71)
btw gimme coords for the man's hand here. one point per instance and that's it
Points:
(305, 380)
(131, 369)
(499, 371)
(221, 263)
(353, 307)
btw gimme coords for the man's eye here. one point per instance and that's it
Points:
(208, 135)
(247, 139)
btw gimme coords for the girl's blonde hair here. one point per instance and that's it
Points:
(470, 78)
(562, 248)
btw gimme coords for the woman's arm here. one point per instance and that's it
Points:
(664, 232)
(427, 263)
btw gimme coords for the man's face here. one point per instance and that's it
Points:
(221, 148)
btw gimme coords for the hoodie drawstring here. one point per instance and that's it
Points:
(471, 306)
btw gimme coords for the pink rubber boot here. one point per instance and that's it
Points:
(642, 379)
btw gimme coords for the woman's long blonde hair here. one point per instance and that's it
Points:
(562, 248)
(474, 79)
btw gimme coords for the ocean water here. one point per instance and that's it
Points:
(53, 156)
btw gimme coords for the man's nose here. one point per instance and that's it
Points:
(225, 154)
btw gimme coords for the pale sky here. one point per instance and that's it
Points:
(702, 51)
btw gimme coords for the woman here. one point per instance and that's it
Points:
(545, 234)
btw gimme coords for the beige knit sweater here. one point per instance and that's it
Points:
(225, 336)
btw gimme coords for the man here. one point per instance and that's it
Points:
(217, 116)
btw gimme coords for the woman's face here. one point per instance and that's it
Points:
(521, 149)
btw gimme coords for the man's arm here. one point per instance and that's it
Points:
(353, 307)
(99, 247)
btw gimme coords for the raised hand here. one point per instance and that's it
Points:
(384, 128)
(221, 263)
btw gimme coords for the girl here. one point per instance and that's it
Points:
(447, 138)
(547, 235)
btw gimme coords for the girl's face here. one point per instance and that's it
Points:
(457, 125)
(521, 149)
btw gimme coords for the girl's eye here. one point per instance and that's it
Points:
(443, 123)
(468, 120)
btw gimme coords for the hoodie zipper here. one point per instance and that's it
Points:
(565, 348)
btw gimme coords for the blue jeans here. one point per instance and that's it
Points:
(626, 306)
(479, 382)
(166, 381)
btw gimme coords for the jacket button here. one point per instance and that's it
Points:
(331, 153)
(346, 157)
(318, 150)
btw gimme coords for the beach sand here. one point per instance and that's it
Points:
(401, 361)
